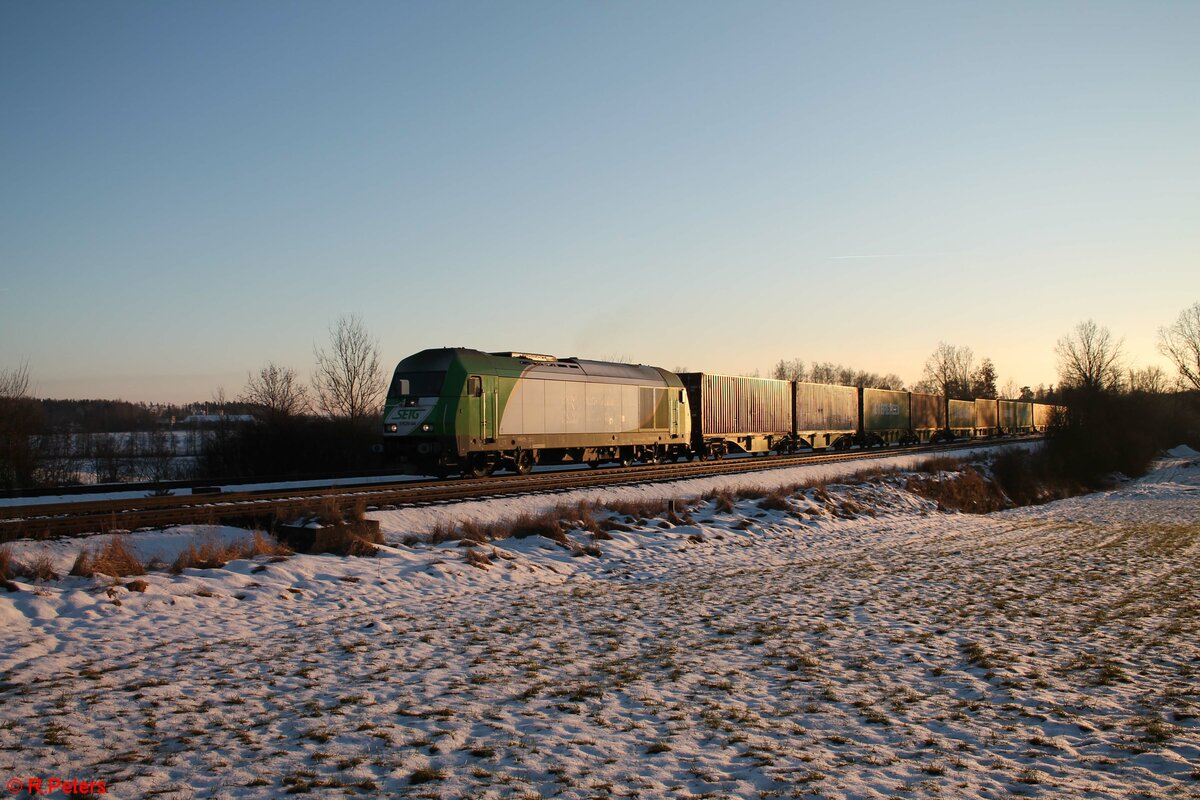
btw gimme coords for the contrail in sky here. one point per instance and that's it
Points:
(890, 255)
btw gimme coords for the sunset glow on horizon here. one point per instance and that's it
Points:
(193, 190)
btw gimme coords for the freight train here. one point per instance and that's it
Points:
(461, 410)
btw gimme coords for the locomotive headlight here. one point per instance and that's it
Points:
(426, 428)
(391, 428)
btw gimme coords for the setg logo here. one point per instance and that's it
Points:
(408, 414)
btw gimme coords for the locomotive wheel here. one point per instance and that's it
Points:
(523, 463)
(626, 458)
(478, 467)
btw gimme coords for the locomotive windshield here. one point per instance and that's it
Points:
(416, 384)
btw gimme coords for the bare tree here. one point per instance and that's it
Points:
(1149, 380)
(793, 370)
(19, 421)
(1089, 358)
(949, 370)
(277, 390)
(1181, 343)
(14, 383)
(348, 380)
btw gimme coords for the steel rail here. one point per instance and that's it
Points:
(64, 519)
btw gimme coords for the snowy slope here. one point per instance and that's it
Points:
(825, 651)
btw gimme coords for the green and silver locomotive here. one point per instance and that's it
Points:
(459, 410)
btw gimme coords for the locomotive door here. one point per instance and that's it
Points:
(487, 409)
(481, 407)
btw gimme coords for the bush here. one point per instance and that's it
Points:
(352, 539)
(290, 446)
(961, 491)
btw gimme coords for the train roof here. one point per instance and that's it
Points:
(544, 366)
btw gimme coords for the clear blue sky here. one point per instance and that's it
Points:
(189, 190)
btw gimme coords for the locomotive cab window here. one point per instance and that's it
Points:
(474, 386)
(416, 384)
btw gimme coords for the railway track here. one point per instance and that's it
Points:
(74, 518)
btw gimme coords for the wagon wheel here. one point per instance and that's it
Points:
(523, 462)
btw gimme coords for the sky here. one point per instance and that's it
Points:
(192, 190)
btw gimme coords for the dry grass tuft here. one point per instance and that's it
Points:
(442, 532)
(477, 558)
(41, 568)
(116, 559)
(580, 516)
(347, 540)
(937, 464)
(775, 501)
(640, 509)
(214, 554)
(528, 525)
(472, 531)
(83, 568)
(8, 565)
(723, 498)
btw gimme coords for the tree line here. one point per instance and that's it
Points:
(326, 425)
(331, 422)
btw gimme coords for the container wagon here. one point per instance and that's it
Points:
(885, 417)
(738, 414)
(987, 417)
(928, 416)
(961, 418)
(825, 415)
(1043, 416)
(1016, 416)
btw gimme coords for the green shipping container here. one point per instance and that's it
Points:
(885, 413)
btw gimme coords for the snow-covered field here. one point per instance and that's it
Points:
(858, 645)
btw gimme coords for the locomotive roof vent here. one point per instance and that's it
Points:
(529, 356)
